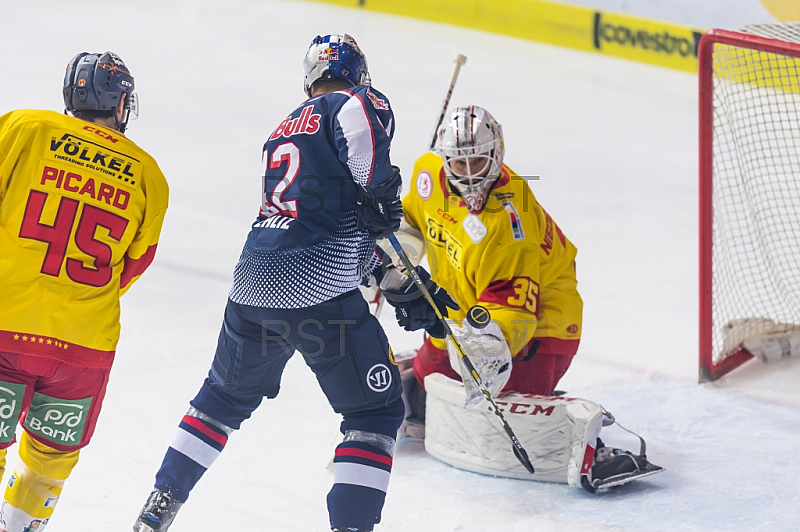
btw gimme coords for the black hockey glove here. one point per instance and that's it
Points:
(379, 208)
(412, 310)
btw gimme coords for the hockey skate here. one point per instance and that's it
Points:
(158, 513)
(614, 467)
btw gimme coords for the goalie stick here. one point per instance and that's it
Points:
(519, 451)
(459, 60)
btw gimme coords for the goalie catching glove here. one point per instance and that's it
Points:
(379, 208)
(411, 308)
(488, 351)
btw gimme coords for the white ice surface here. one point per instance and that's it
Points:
(615, 145)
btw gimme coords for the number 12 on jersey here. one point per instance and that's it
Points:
(274, 187)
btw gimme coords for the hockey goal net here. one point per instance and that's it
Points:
(749, 194)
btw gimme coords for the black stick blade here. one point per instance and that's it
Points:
(522, 456)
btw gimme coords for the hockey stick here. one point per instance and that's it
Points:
(519, 451)
(459, 61)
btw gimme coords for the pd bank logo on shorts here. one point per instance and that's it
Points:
(59, 420)
(11, 395)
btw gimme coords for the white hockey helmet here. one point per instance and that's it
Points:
(470, 143)
(335, 57)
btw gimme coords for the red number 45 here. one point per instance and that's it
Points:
(57, 237)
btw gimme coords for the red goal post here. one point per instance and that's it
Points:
(749, 114)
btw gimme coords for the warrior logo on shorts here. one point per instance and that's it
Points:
(379, 378)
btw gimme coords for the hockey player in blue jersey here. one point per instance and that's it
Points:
(329, 191)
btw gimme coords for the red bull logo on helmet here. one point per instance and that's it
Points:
(328, 54)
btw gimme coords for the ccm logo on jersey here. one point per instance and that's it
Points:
(100, 132)
(444, 214)
(306, 123)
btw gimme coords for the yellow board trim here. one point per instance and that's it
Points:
(578, 27)
(757, 69)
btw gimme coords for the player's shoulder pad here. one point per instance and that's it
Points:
(23, 117)
(429, 161)
(369, 96)
(425, 174)
(373, 96)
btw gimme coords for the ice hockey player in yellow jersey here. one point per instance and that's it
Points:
(490, 243)
(81, 209)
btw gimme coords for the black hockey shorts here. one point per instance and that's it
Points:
(343, 344)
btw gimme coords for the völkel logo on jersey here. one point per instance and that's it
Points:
(379, 378)
(10, 405)
(59, 420)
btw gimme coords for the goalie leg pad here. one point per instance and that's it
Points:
(559, 433)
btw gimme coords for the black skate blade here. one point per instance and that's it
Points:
(624, 478)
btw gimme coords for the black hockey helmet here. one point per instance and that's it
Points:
(96, 82)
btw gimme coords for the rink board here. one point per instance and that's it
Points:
(639, 39)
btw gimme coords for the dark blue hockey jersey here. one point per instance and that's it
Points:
(304, 247)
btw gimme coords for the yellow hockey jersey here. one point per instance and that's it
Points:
(81, 209)
(511, 258)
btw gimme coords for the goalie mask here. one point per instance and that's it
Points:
(97, 82)
(471, 146)
(335, 57)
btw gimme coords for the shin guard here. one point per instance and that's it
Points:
(362, 466)
(35, 486)
(361, 470)
(198, 442)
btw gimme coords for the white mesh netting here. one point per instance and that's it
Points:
(756, 190)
